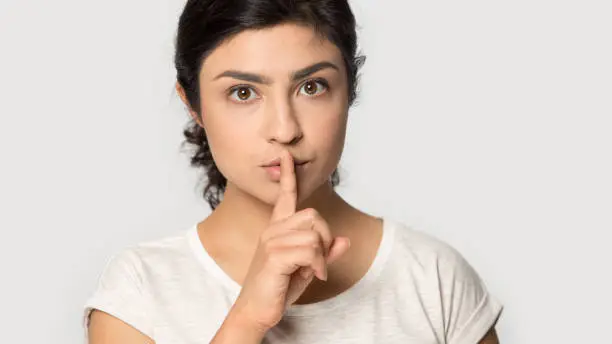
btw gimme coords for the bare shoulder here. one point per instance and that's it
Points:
(107, 329)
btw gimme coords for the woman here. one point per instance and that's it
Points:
(282, 258)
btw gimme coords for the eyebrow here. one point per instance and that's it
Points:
(260, 79)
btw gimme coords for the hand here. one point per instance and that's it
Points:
(291, 251)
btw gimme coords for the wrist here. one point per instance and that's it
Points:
(238, 321)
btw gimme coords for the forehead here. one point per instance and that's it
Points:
(274, 51)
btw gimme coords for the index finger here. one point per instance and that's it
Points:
(286, 202)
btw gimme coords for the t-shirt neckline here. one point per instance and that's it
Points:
(344, 298)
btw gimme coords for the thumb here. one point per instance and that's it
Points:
(339, 246)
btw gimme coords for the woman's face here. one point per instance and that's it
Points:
(267, 90)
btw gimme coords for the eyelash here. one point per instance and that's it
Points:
(321, 81)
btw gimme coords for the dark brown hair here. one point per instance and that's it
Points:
(205, 24)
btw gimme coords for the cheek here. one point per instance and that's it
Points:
(326, 134)
(334, 131)
(333, 144)
(327, 131)
(228, 139)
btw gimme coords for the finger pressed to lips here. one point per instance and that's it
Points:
(274, 172)
(304, 246)
(286, 202)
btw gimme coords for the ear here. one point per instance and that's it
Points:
(193, 114)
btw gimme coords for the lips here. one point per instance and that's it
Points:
(276, 162)
(273, 169)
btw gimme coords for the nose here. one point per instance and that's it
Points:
(282, 125)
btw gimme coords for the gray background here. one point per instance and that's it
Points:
(486, 124)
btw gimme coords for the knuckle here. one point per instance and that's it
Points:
(312, 238)
(311, 213)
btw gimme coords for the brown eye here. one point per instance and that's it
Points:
(242, 94)
(310, 87)
(313, 87)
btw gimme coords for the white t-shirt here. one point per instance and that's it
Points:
(417, 290)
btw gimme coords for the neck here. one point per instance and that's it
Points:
(255, 214)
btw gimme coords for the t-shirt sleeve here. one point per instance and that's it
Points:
(469, 309)
(120, 293)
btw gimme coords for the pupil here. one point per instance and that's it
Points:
(243, 93)
(310, 88)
